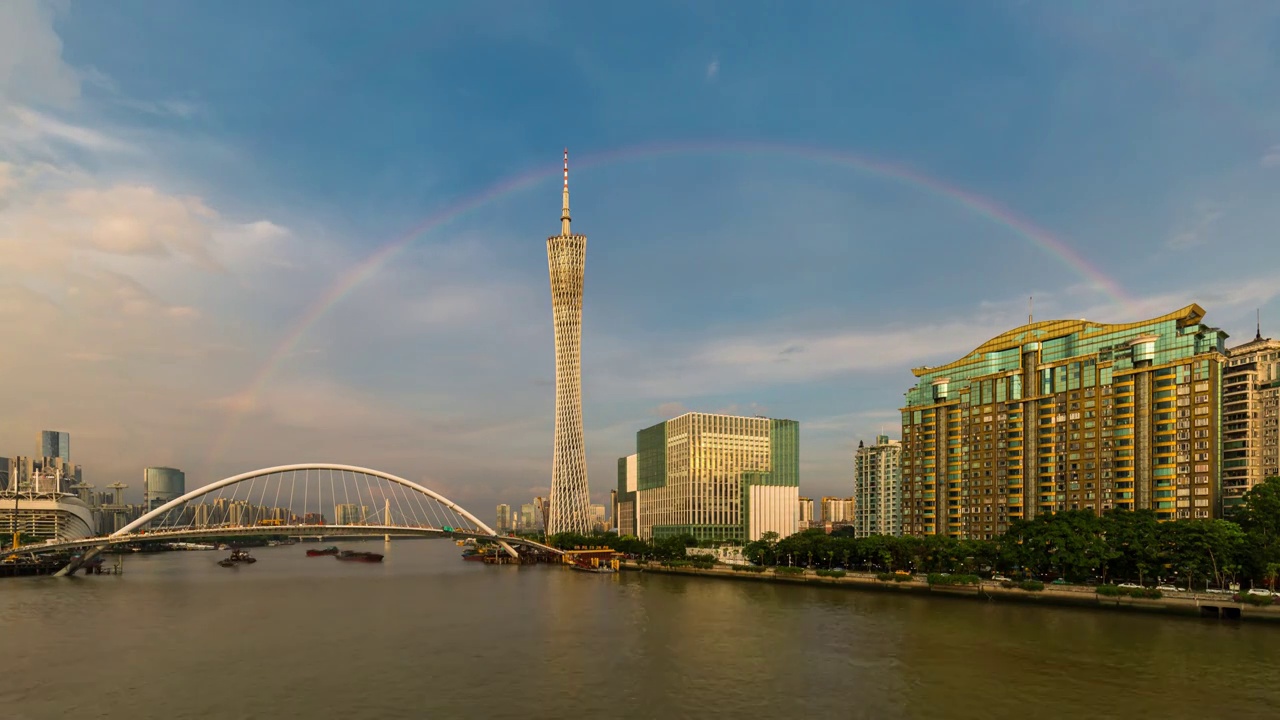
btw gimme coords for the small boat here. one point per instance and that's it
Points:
(604, 569)
(331, 550)
(353, 556)
(238, 557)
(474, 554)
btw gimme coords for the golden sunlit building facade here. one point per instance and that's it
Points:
(1066, 415)
(1250, 418)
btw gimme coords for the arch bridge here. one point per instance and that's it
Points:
(302, 500)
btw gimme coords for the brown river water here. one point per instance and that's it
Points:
(425, 635)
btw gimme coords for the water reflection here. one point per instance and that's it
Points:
(426, 635)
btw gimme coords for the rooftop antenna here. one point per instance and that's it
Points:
(1259, 335)
(1031, 306)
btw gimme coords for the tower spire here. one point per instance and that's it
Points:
(564, 211)
(1259, 335)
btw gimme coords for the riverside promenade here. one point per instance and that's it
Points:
(1202, 605)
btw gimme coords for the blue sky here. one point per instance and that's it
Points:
(180, 182)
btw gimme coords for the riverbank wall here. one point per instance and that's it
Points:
(1201, 605)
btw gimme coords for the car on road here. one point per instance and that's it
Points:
(1000, 578)
(1167, 588)
(1130, 585)
(1262, 592)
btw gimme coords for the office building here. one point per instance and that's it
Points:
(160, 485)
(877, 488)
(55, 444)
(627, 515)
(504, 518)
(718, 478)
(566, 260)
(1064, 415)
(1250, 413)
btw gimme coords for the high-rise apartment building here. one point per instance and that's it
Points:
(504, 518)
(566, 260)
(1062, 415)
(806, 512)
(717, 477)
(1250, 418)
(837, 510)
(877, 488)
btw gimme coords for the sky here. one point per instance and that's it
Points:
(236, 234)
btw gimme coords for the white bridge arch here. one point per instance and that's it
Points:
(273, 510)
(280, 469)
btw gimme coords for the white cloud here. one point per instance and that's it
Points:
(737, 362)
(32, 70)
(713, 68)
(26, 128)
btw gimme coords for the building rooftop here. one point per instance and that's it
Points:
(1050, 329)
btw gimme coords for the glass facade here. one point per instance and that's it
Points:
(717, 477)
(1066, 414)
(162, 484)
(55, 444)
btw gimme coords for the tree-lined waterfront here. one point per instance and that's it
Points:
(1077, 546)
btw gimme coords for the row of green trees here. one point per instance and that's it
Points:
(1076, 545)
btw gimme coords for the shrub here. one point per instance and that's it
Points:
(788, 570)
(749, 568)
(902, 577)
(886, 577)
(940, 579)
(1031, 585)
(1109, 590)
(831, 573)
(1260, 600)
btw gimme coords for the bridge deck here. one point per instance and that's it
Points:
(177, 535)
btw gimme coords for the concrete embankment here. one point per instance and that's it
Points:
(1205, 605)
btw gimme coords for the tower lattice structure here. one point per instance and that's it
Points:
(566, 259)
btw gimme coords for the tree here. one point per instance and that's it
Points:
(1201, 548)
(1259, 517)
(1129, 539)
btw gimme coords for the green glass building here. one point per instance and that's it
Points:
(715, 477)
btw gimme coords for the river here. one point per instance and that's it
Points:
(425, 635)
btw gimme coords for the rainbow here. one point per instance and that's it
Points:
(362, 272)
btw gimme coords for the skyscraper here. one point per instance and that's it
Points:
(55, 444)
(1250, 419)
(566, 260)
(160, 485)
(877, 488)
(717, 478)
(1066, 415)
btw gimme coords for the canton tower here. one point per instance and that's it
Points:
(566, 259)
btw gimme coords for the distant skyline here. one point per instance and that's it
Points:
(235, 236)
